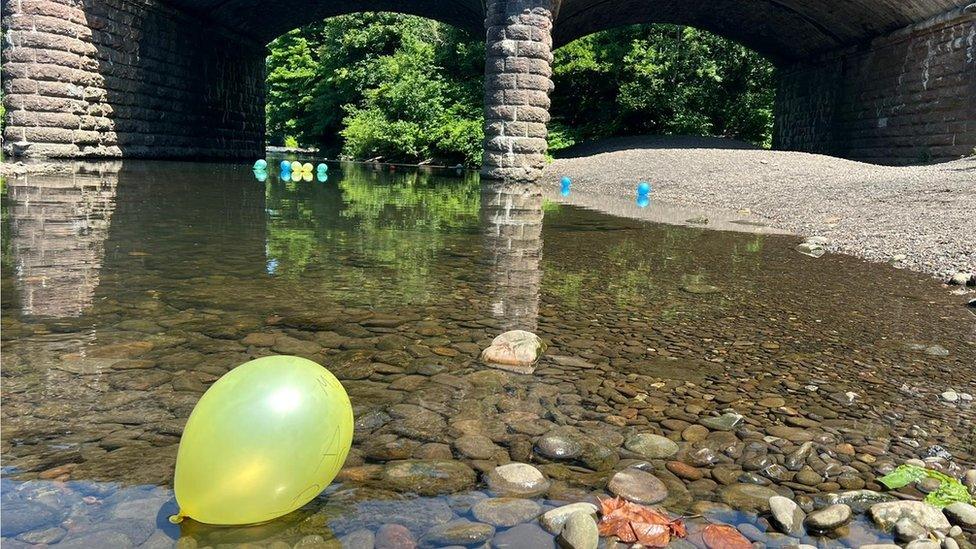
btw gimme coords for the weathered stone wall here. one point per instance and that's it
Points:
(130, 78)
(904, 98)
(518, 79)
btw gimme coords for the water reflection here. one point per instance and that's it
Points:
(58, 227)
(512, 224)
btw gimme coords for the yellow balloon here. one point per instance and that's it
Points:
(264, 440)
(296, 166)
(307, 167)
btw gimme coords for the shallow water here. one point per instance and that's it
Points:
(128, 289)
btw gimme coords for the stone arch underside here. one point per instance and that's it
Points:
(881, 80)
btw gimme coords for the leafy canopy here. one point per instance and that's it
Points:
(410, 89)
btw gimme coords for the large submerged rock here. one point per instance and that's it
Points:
(515, 351)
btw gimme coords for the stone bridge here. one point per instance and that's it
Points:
(886, 81)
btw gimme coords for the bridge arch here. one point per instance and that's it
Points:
(888, 81)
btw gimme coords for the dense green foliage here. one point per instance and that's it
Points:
(406, 88)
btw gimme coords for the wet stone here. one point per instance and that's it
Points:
(724, 422)
(907, 529)
(517, 480)
(554, 519)
(886, 514)
(459, 532)
(523, 536)
(579, 532)
(787, 515)
(651, 446)
(476, 446)
(962, 514)
(750, 497)
(505, 511)
(557, 446)
(683, 470)
(428, 478)
(638, 486)
(829, 518)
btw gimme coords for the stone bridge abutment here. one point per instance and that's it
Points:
(875, 80)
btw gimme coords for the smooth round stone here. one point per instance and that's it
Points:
(523, 536)
(637, 486)
(394, 536)
(651, 446)
(506, 511)
(579, 532)
(750, 497)
(886, 514)
(517, 480)
(961, 513)
(907, 529)
(476, 446)
(683, 470)
(724, 422)
(554, 519)
(787, 515)
(829, 518)
(694, 433)
(558, 447)
(459, 532)
(772, 402)
(428, 477)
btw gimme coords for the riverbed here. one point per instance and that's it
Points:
(128, 289)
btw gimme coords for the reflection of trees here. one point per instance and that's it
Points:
(512, 221)
(369, 234)
(57, 229)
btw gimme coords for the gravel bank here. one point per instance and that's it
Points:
(927, 213)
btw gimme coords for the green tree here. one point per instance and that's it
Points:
(410, 89)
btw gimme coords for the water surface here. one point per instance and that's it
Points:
(128, 288)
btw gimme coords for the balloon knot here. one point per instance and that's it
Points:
(176, 519)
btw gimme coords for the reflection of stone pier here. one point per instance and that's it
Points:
(58, 226)
(512, 221)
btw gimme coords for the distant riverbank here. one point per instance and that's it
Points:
(918, 217)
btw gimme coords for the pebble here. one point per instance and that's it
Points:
(517, 480)
(651, 446)
(579, 532)
(907, 529)
(886, 514)
(558, 447)
(394, 536)
(505, 511)
(724, 422)
(683, 470)
(950, 396)
(523, 536)
(748, 497)
(787, 515)
(428, 477)
(638, 486)
(829, 518)
(459, 532)
(961, 514)
(554, 519)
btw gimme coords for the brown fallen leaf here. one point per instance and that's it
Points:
(723, 536)
(632, 523)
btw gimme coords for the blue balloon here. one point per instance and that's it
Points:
(643, 188)
(323, 167)
(322, 177)
(565, 181)
(285, 166)
(260, 164)
(564, 191)
(260, 175)
(643, 201)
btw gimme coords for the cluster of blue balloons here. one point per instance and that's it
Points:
(564, 184)
(295, 170)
